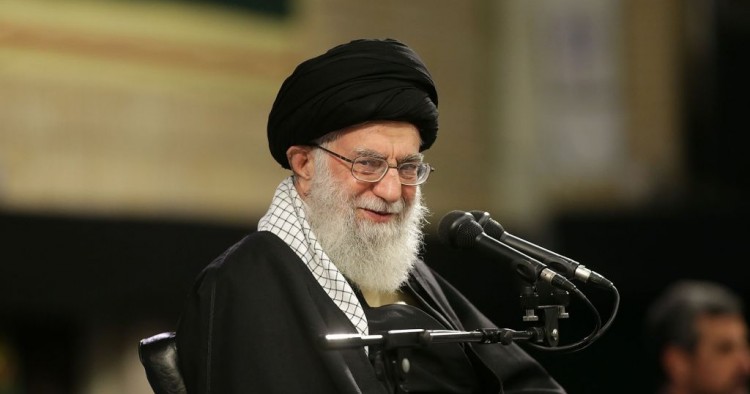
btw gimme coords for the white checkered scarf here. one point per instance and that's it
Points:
(286, 218)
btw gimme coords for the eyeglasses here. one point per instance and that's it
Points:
(373, 169)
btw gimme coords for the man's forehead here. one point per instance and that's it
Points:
(721, 326)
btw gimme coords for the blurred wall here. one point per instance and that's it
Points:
(139, 108)
(159, 109)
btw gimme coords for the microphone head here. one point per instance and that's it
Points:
(491, 227)
(459, 229)
(481, 216)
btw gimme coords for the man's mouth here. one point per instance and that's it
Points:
(377, 216)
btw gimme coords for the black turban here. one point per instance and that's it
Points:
(350, 84)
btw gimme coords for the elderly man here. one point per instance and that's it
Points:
(337, 251)
(700, 336)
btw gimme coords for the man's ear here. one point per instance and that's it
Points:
(301, 163)
(676, 363)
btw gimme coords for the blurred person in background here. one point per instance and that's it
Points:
(699, 335)
(337, 251)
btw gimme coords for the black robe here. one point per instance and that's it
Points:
(253, 322)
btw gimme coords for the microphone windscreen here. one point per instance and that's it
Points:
(458, 229)
(481, 216)
(491, 226)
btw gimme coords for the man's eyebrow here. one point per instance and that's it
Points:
(411, 158)
(364, 152)
(369, 153)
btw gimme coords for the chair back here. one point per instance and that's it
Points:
(158, 355)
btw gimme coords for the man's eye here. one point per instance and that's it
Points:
(370, 163)
(408, 168)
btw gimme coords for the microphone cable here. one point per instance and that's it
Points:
(583, 343)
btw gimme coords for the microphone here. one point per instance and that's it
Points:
(459, 229)
(565, 266)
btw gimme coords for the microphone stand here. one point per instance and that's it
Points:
(391, 350)
(552, 302)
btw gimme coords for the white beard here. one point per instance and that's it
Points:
(374, 256)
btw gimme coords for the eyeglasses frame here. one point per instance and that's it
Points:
(352, 161)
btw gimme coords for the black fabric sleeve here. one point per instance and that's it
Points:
(252, 325)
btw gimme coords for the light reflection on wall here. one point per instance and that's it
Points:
(137, 108)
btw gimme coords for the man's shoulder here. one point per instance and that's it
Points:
(258, 242)
(256, 251)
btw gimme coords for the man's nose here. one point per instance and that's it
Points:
(389, 188)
